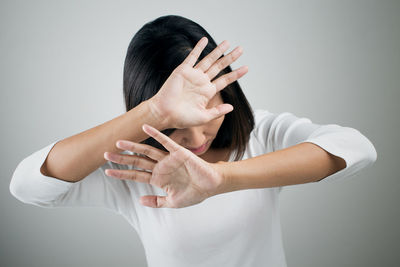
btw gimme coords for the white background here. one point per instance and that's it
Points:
(338, 62)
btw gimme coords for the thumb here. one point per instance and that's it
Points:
(154, 201)
(219, 110)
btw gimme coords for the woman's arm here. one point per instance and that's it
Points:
(174, 106)
(188, 179)
(301, 163)
(75, 157)
(302, 152)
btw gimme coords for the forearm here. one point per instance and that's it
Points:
(75, 157)
(301, 163)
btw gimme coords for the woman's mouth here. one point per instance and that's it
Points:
(199, 149)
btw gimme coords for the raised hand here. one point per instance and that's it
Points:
(186, 178)
(183, 98)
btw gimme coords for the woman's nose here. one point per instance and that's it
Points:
(193, 137)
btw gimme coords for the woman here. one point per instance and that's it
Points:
(177, 164)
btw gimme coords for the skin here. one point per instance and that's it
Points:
(182, 102)
(194, 137)
(190, 102)
(183, 99)
(188, 179)
(185, 177)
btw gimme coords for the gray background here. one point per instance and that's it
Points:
(331, 61)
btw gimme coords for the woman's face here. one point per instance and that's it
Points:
(199, 138)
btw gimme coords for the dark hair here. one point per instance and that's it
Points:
(155, 51)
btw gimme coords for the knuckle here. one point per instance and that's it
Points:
(118, 174)
(207, 62)
(131, 146)
(135, 161)
(226, 79)
(146, 150)
(231, 57)
(229, 79)
(133, 176)
(220, 64)
(212, 71)
(119, 158)
(219, 50)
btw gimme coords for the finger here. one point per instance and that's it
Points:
(223, 62)
(164, 140)
(134, 175)
(143, 149)
(154, 201)
(206, 62)
(219, 110)
(134, 160)
(229, 78)
(196, 51)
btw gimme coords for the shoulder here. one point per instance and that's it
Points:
(265, 117)
(270, 128)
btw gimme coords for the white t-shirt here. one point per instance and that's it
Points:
(240, 228)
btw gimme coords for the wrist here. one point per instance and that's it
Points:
(156, 116)
(224, 181)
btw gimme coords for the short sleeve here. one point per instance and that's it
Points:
(97, 189)
(281, 130)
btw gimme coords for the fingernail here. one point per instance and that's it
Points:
(119, 144)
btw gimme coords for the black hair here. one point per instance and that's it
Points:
(155, 51)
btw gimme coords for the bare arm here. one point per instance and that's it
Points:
(188, 179)
(75, 157)
(181, 102)
(298, 164)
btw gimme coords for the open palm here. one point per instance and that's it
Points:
(184, 96)
(186, 86)
(186, 178)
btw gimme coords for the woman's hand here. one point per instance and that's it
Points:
(186, 178)
(183, 98)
